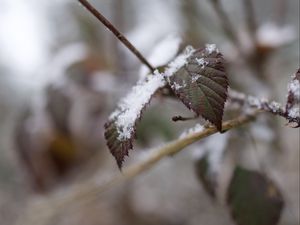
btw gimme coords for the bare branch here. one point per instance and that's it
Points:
(116, 32)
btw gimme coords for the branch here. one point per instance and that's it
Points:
(89, 191)
(261, 104)
(116, 32)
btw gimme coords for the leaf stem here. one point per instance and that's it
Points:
(116, 32)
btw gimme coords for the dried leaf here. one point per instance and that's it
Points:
(206, 178)
(201, 84)
(253, 198)
(121, 128)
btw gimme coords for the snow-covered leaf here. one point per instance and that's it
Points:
(293, 100)
(201, 83)
(121, 127)
(253, 198)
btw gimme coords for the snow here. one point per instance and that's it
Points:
(294, 112)
(270, 34)
(162, 53)
(294, 87)
(210, 48)
(254, 102)
(197, 128)
(178, 86)
(275, 106)
(201, 62)
(130, 107)
(179, 61)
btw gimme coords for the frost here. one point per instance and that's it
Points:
(131, 106)
(272, 35)
(201, 62)
(275, 106)
(210, 48)
(294, 112)
(294, 88)
(178, 86)
(163, 53)
(197, 128)
(179, 61)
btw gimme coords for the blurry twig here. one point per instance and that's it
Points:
(116, 32)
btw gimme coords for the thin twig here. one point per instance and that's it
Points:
(89, 191)
(262, 104)
(116, 32)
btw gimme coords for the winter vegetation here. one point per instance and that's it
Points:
(150, 112)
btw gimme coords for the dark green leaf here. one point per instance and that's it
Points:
(253, 198)
(202, 84)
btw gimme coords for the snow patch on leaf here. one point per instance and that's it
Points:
(210, 48)
(120, 128)
(179, 61)
(130, 107)
(202, 62)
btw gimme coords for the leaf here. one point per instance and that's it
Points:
(253, 198)
(293, 100)
(201, 84)
(120, 129)
(205, 176)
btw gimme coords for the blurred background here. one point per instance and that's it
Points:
(62, 74)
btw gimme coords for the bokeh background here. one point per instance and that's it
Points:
(62, 73)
